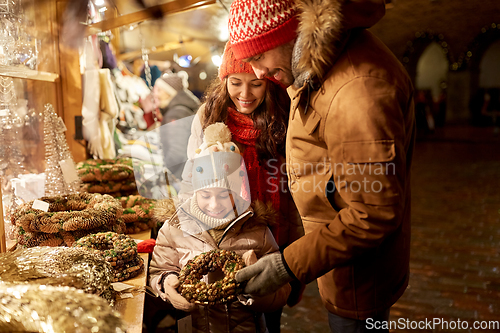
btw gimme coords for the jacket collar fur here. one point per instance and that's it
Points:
(324, 26)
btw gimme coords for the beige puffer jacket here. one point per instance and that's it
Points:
(183, 237)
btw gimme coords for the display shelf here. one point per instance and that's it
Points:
(25, 73)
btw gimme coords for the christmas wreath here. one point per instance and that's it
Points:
(68, 213)
(117, 249)
(105, 170)
(196, 291)
(137, 213)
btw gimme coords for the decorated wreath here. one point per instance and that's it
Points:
(196, 291)
(30, 308)
(68, 218)
(99, 170)
(137, 213)
(118, 249)
(63, 238)
(111, 176)
(68, 213)
(124, 186)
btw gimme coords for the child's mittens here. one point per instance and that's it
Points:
(249, 257)
(180, 303)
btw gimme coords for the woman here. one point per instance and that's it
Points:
(256, 112)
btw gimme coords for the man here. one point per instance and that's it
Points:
(349, 151)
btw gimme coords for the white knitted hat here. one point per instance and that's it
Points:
(218, 163)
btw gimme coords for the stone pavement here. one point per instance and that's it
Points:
(455, 258)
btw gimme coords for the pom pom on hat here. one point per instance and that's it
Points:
(230, 65)
(259, 26)
(217, 132)
(217, 139)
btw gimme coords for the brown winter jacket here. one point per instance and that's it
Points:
(351, 127)
(182, 237)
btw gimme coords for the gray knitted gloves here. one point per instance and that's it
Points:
(266, 276)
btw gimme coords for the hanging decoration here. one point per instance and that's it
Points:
(488, 33)
(479, 44)
(422, 39)
(17, 127)
(60, 173)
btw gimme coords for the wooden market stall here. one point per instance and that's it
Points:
(57, 80)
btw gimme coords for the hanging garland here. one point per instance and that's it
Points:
(423, 38)
(421, 41)
(488, 33)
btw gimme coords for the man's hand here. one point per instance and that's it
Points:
(266, 276)
(169, 285)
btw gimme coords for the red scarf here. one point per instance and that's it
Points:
(264, 185)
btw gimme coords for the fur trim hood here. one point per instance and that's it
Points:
(323, 28)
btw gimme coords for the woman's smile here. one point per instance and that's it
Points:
(246, 91)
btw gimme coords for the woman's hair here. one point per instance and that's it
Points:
(270, 117)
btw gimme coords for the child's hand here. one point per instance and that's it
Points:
(169, 285)
(249, 257)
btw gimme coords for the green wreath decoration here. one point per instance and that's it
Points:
(226, 290)
(81, 211)
(100, 170)
(137, 213)
(117, 249)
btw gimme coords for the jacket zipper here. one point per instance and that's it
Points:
(231, 224)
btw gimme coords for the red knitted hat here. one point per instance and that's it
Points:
(230, 65)
(257, 26)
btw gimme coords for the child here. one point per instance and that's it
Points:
(256, 112)
(217, 216)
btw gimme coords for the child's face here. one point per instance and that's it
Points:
(215, 202)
